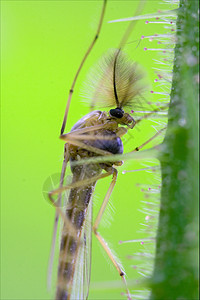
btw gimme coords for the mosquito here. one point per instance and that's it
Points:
(98, 134)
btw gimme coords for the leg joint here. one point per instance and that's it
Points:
(95, 230)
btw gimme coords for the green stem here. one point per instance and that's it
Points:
(175, 274)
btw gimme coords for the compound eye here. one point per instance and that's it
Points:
(117, 113)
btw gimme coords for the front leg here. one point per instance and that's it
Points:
(100, 238)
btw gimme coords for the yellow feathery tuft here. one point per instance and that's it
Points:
(116, 81)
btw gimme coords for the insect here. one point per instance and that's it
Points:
(96, 135)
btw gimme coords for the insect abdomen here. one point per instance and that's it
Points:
(76, 210)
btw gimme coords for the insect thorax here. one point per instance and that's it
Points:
(105, 139)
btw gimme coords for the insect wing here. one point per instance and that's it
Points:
(81, 280)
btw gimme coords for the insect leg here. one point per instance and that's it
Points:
(120, 157)
(81, 65)
(100, 238)
(89, 129)
(76, 185)
(51, 257)
(76, 136)
(77, 142)
(149, 140)
(68, 187)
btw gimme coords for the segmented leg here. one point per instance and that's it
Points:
(70, 235)
(81, 65)
(118, 157)
(87, 147)
(76, 185)
(149, 140)
(61, 189)
(100, 238)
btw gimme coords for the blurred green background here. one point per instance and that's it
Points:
(43, 43)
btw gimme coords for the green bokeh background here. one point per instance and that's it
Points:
(43, 43)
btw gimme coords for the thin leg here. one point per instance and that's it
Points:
(76, 185)
(148, 141)
(52, 252)
(100, 238)
(71, 186)
(81, 65)
(68, 226)
(79, 134)
(91, 128)
(118, 157)
(82, 145)
(76, 136)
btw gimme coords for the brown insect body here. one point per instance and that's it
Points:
(116, 82)
(106, 139)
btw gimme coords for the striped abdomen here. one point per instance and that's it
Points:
(76, 211)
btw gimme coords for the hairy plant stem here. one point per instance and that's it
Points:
(175, 273)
